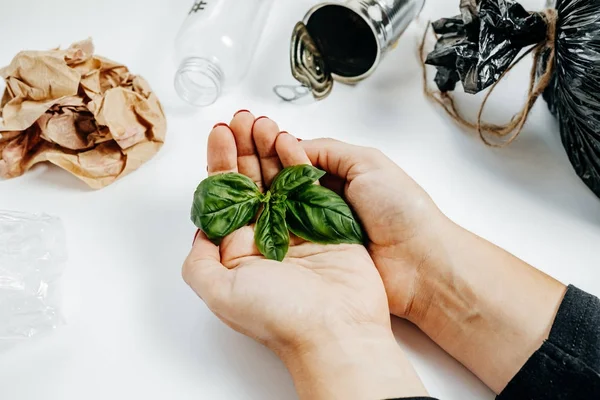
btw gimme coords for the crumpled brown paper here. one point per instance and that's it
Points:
(82, 112)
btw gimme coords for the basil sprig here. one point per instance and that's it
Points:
(224, 203)
(227, 202)
(271, 235)
(318, 215)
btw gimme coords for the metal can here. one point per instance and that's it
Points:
(345, 42)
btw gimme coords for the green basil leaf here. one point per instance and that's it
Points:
(271, 234)
(292, 178)
(224, 203)
(319, 215)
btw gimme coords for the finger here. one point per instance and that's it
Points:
(342, 159)
(265, 134)
(205, 274)
(290, 151)
(239, 242)
(247, 156)
(334, 183)
(222, 152)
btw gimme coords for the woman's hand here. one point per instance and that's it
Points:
(485, 307)
(403, 224)
(323, 310)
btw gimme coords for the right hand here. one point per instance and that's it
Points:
(485, 307)
(402, 222)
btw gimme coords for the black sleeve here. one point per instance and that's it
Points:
(567, 365)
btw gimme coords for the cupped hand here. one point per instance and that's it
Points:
(486, 308)
(317, 294)
(403, 224)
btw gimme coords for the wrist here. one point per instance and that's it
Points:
(480, 303)
(366, 363)
(428, 267)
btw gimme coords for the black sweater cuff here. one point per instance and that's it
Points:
(414, 398)
(567, 365)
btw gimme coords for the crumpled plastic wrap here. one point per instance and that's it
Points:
(476, 47)
(32, 257)
(82, 112)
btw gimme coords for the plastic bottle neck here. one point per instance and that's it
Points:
(199, 81)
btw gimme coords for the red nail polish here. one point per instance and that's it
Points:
(287, 133)
(220, 124)
(256, 120)
(196, 237)
(241, 111)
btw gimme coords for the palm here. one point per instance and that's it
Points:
(399, 219)
(328, 279)
(316, 285)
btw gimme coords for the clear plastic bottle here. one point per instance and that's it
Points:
(215, 46)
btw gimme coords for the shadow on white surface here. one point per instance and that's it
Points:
(536, 165)
(49, 175)
(257, 371)
(190, 340)
(441, 374)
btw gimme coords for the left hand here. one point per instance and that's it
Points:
(317, 306)
(316, 290)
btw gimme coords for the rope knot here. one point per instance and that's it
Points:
(509, 131)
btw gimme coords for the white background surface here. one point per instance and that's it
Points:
(135, 331)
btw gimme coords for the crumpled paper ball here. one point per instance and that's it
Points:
(84, 113)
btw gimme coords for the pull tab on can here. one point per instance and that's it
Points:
(345, 41)
(308, 67)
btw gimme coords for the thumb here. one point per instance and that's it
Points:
(343, 160)
(204, 273)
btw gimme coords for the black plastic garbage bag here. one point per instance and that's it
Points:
(478, 46)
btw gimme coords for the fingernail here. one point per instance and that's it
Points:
(196, 237)
(241, 111)
(220, 124)
(256, 120)
(287, 133)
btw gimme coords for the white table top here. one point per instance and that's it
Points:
(135, 331)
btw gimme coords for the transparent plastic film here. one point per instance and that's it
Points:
(32, 258)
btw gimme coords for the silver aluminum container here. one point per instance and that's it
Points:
(387, 20)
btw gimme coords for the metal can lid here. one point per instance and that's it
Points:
(308, 64)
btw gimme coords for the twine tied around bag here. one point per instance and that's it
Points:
(509, 131)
